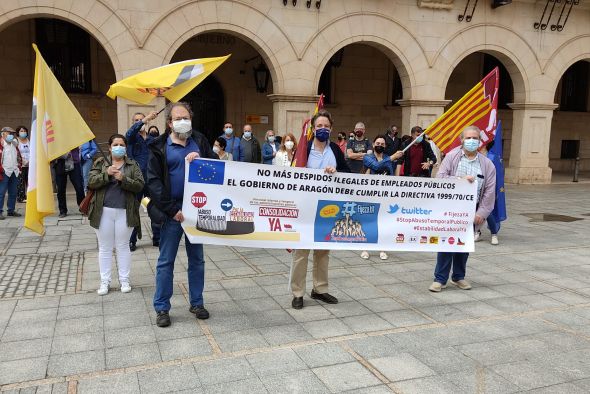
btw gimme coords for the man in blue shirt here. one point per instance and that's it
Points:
(137, 148)
(165, 183)
(233, 142)
(321, 153)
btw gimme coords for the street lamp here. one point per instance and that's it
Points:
(261, 76)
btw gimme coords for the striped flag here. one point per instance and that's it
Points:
(300, 159)
(56, 128)
(478, 107)
(173, 81)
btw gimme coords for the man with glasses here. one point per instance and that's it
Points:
(137, 149)
(467, 163)
(165, 182)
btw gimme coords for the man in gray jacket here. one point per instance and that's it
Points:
(467, 163)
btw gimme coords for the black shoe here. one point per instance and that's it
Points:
(63, 215)
(163, 319)
(132, 247)
(297, 303)
(200, 312)
(327, 298)
(156, 243)
(15, 214)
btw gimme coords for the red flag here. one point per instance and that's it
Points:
(300, 159)
(478, 107)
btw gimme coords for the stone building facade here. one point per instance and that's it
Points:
(382, 62)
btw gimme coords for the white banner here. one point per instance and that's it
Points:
(264, 206)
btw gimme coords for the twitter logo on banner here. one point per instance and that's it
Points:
(393, 208)
(207, 171)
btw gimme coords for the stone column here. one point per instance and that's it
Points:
(290, 111)
(420, 112)
(529, 148)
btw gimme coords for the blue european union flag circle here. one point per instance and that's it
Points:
(207, 171)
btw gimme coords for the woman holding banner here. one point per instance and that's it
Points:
(381, 164)
(114, 210)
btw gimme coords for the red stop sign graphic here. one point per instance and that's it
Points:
(199, 199)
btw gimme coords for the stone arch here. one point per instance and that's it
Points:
(100, 21)
(208, 16)
(377, 30)
(512, 50)
(568, 53)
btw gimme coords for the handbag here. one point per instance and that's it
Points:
(85, 204)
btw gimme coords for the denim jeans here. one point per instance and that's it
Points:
(86, 167)
(444, 261)
(170, 235)
(8, 183)
(492, 225)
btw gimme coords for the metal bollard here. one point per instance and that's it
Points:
(576, 169)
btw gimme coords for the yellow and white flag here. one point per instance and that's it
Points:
(57, 128)
(173, 81)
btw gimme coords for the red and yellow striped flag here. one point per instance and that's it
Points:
(478, 107)
(300, 159)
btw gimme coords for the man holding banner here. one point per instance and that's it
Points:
(321, 154)
(165, 184)
(467, 163)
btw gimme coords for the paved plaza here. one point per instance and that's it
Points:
(524, 327)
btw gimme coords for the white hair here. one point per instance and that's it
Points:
(470, 128)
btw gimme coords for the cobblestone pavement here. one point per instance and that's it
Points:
(524, 327)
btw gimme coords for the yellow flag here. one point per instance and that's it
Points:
(173, 81)
(57, 128)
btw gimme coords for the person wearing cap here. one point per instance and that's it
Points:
(419, 158)
(10, 167)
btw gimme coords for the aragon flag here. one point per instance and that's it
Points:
(173, 81)
(300, 159)
(478, 107)
(56, 128)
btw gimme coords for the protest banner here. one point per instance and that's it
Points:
(262, 206)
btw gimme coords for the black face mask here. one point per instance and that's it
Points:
(154, 134)
(380, 149)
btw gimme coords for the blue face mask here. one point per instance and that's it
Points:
(9, 138)
(322, 134)
(118, 151)
(419, 139)
(23, 134)
(247, 134)
(471, 145)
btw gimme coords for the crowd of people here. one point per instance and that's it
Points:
(144, 162)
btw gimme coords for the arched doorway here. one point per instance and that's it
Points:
(570, 135)
(208, 103)
(76, 58)
(361, 84)
(469, 72)
(231, 92)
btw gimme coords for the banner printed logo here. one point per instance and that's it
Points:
(206, 171)
(346, 221)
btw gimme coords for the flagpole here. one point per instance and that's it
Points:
(413, 142)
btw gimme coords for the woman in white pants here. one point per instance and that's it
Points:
(114, 210)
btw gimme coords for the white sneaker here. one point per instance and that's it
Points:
(494, 240)
(125, 287)
(365, 255)
(103, 289)
(477, 236)
(383, 256)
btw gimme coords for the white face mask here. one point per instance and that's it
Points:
(289, 145)
(182, 127)
(216, 149)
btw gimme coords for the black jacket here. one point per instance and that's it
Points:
(161, 204)
(428, 154)
(392, 144)
(341, 165)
